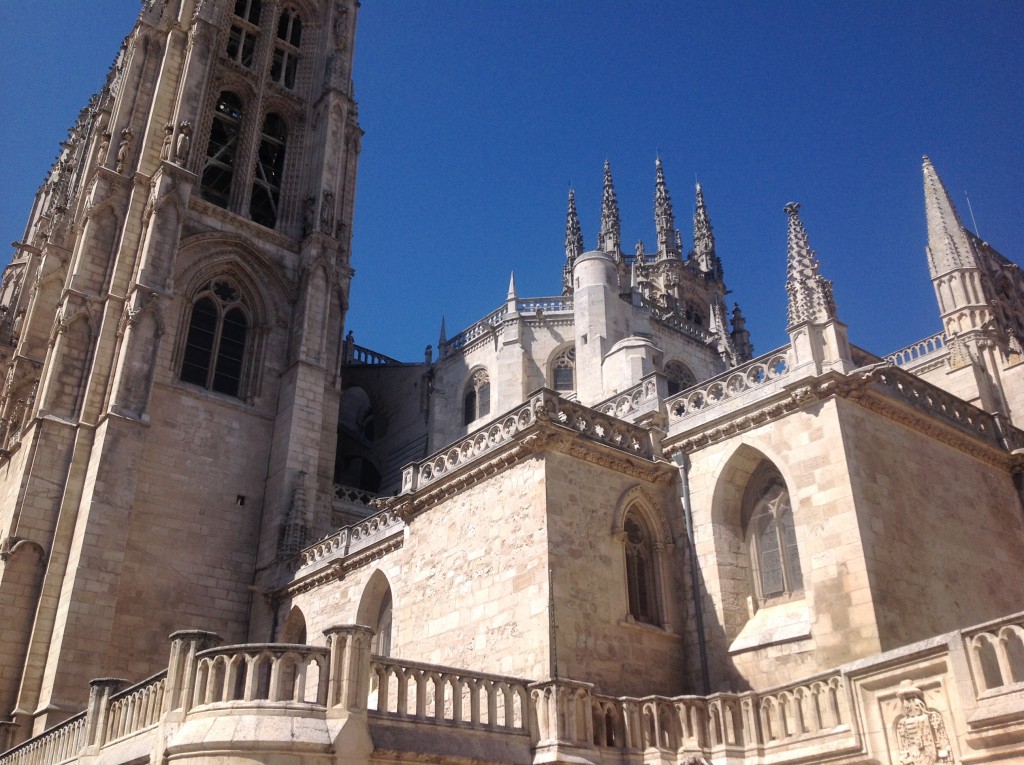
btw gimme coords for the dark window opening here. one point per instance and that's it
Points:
(266, 186)
(221, 151)
(215, 345)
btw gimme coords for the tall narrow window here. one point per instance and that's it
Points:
(640, 582)
(218, 332)
(771, 538)
(286, 49)
(266, 186)
(244, 30)
(476, 402)
(382, 638)
(563, 370)
(222, 149)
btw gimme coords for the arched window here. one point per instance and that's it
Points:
(640, 581)
(286, 49)
(266, 185)
(476, 402)
(244, 31)
(679, 377)
(563, 370)
(770, 537)
(218, 331)
(220, 152)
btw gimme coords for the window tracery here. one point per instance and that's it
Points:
(679, 377)
(641, 586)
(770, 538)
(563, 370)
(287, 49)
(476, 402)
(222, 149)
(266, 185)
(217, 339)
(244, 32)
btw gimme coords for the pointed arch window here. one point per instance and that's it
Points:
(381, 645)
(771, 538)
(476, 402)
(221, 151)
(679, 377)
(285, 65)
(218, 335)
(244, 30)
(640, 569)
(563, 370)
(266, 185)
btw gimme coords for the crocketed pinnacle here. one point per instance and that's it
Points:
(573, 243)
(810, 293)
(664, 219)
(704, 239)
(949, 246)
(610, 239)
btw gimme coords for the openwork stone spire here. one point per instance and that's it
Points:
(664, 219)
(810, 293)
(948, 245)
(610, 239)
(704, 239)
(573, 243)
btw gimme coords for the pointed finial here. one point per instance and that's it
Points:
(573, 243)
(664, 219)
(610, 239)
(443, 339)
(810, 293)
(704, 238)
(511, 287)
(948, 245)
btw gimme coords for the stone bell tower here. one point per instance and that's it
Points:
(170, 341)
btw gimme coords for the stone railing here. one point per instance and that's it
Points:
(59, 744)
(271, 672)
(542, 405)
(639, 399)
(136, 708)
(545, 305)
(976, 701)
(996, 653)
(446, 696)
(918, 350)
(925, 397)
(353, 495)
(482, 327)
(357, 354)
(728, 385)
(350, 539)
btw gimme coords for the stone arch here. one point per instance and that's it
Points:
(637, 497)
(293, 628)
(563, 357)
(355, 463)
(646, 537)
(376, 607)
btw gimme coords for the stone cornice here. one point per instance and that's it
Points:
(885, 390)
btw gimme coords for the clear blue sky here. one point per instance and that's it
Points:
(479, 115)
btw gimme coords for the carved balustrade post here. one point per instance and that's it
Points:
(100, 691)
(562, 720)
(349, 670)
(182, 666)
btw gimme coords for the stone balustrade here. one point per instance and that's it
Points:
(545, 305)
(441, 695)
(834, 714)
(136, 708)
(357, 354)
(919, 350)
(728, 385)
(630, 403)
(478, 330)
(272, 672)
(350, 539)
(542, 405)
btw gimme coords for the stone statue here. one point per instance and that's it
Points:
(920, 732)
(184, 140)
(350, 346)
(327, 213)
(165, 149)
(124, 149)
(101, 150)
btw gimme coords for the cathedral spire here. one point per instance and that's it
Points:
(573, 243)
(610, 239)
(664, 219)
(810, 293)
(704, 239)
(948, 244)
